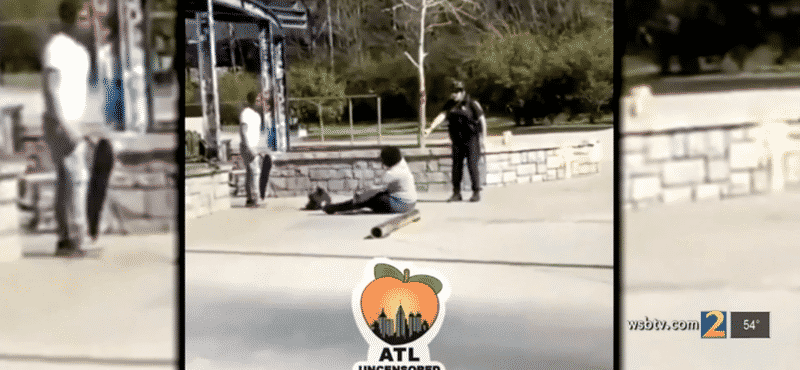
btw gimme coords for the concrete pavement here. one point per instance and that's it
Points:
(734, 255)
(118, 311)
(530, 268)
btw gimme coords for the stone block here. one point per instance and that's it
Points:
(523, 179)
(697, 144)
(792, 167)
(561, 173)
(645, 187)
(717, 143)
(537, 178)
(433, 166)
(718, 170)
(638, 164)
(737, 134)
(422, 188)
(744, 155)
(336, 185)
(494, 178)
(495, 167)
(761, 181)
(440, 188)
(350, 184)
(345, 173)
(740, 183)
(509, 176)
(688, 171)
(633, 144)
(436, 177)
(360, 165)
(9, 218)
(446, 161)
(526, 169)
(554, 161)
(677, 195)
(659, 147)
(515, 158)
(418, 166)
(707, 192)
(552, 174)
(679, 145)
(222, 191)
(280, 183)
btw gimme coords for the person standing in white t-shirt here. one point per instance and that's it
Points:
(250, 131)
(65, 73)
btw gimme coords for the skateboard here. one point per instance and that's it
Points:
(266, 166)
(98, 185)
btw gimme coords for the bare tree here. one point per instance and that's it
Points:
(427, 15)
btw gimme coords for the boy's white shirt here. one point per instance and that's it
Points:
(251, 127)
(71, 60)
(400, 182)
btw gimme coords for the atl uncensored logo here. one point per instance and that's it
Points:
(398, 314)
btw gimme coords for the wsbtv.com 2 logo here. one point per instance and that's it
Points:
(715, 324)
(399, 314)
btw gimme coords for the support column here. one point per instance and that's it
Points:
(279, 95)
(266, 85)
(134, 40)
(208, 79)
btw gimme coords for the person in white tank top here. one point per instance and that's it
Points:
(65, 74)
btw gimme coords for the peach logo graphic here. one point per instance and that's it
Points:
(398, 314)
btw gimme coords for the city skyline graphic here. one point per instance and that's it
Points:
(400, 330)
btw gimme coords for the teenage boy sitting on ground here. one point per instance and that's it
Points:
(399, 195)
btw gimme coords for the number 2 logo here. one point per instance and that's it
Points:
(713, 332)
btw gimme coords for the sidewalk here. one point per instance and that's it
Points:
(734, 255)
(115, 312)
(530, 268)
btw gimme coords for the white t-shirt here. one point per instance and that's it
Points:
(250, 126)
(71, 60)
(400, 182)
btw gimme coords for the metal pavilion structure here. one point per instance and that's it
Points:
(271, 17)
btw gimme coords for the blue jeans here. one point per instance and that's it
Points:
(71, 188)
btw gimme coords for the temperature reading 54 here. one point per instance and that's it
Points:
(751, 324)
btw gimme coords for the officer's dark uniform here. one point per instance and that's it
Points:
(465, 131)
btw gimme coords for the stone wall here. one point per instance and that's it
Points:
(141, 191)
(207, 189)
(343, 172)
(707, 146)
(10, 170)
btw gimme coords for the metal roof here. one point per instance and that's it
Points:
(284, 14)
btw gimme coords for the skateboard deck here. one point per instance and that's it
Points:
(266, 166)
(91, 253)
(98, 185)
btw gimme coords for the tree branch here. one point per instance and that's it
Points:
(411, 59)
(406, 3)
(431, 26)
(455, 13)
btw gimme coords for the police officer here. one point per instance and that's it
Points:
(467, 128)
(65, 75)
